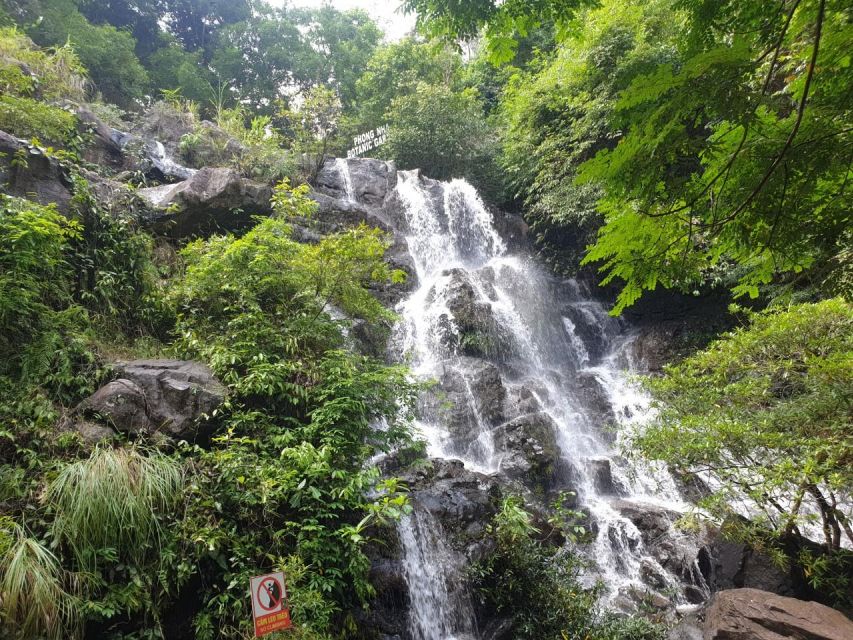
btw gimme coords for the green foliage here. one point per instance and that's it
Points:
(750, 132)
(394, 70)
(444, 133)
(501, 23)
(108, 53)
(28, 76)
(26, 70)
(538, 585)
(109, 505)
(285, 483)
(766, 412)
(558, 113)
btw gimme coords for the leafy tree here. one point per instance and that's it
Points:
(107, 53)
(559, 113)
(395, 70)
(444, 133)
(314, 127)
(765, 412)
(750, 135)
(344, 41)
(264, 59)
(502, 23)
(195, 23)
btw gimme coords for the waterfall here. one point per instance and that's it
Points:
(478, 307)
(440, 607)
(167, 166)
(342, 167)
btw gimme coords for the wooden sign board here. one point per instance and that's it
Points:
(269, 604)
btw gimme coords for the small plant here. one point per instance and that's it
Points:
(111, 501)
(35, 602)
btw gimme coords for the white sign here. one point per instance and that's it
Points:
(368, 141)
(269, 603)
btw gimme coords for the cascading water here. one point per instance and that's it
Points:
(342, 168)
(552, 345)
(440, 605)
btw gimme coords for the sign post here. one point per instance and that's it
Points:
(269, 604)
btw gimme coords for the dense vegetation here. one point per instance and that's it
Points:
(682, 144)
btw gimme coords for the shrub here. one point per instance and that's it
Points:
(538, 585)
(766, 412)
(286, 482)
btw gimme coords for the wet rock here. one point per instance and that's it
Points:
(651, 574)
(27, 172)
(476, 332)
(214, 199)
(463, 501)
(520, 400)
(531, 452)
(652, 521)
(595, 399)
(602, 477)
(372, 180)
(752, 614)
(167, 396)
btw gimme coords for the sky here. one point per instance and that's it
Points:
(395, 24)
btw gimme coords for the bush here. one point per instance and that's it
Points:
(766, 412)
(35, 601)
(538, 586)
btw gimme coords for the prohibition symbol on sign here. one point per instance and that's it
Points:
(269, 603)
(269, 594)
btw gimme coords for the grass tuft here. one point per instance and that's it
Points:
(34, 602)
(108, 505)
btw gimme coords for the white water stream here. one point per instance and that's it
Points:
(452, 236)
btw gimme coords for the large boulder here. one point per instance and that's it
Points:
(752, 614)
(213, 199)
(27, 171)
(171, 397)
(726, 564)
(463, 501)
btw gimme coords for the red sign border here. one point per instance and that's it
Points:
(279, 625)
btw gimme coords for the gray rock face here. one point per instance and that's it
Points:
(731, 565)
(26, 172)
(533, 454)
(372, 180)
(165, 396)
(105, 149)
(752, 614)
(473, 331)
(213, 199)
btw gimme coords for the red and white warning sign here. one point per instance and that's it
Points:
(269, 604)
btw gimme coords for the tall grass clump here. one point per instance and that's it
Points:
(34, 602)
(110, 503)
